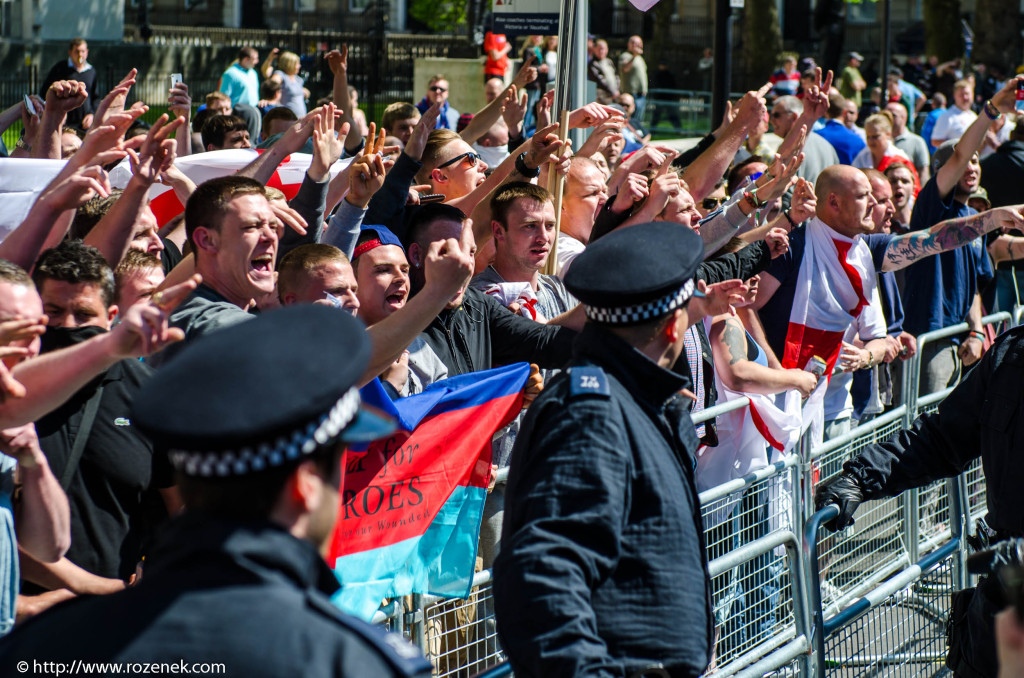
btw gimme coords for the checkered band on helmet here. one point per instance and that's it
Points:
(631, 315)
(302, 441)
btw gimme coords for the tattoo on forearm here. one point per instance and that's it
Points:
(947, 235)
(735, 341)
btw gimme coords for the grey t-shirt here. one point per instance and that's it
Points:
(203, 312)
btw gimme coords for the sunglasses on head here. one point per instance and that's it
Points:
(712, 203)
(470, 157)
(435, 88)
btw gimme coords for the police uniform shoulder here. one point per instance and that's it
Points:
(402, 656)
(588, 380)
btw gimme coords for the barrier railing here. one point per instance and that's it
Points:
(789, 599)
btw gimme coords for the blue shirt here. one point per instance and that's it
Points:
(8, 546)
(888, 291)
(939, 290)
(847, 144)
(929, 125)
(241, 84)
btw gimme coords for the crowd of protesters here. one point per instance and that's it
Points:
(839, 221)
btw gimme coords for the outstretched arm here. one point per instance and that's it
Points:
(947, 235)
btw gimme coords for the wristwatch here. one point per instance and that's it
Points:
(529, 173)
(21, 143)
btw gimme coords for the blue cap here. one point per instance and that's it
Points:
(372, 237)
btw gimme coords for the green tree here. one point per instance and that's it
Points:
(447, 16)
(942, 28)
(996, 38)
(762, 43)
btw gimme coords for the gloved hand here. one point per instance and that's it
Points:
(845, 492)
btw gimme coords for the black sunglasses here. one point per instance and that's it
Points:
(435, 88)
(470, 157)
(712, 203)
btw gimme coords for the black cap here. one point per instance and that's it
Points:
(261, 393)
(637, 273)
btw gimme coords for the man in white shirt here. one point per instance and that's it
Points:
(954, 122)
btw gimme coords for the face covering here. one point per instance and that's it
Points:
(61, 337)
(492, 155)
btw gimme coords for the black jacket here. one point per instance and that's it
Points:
(983, 416)
(248, 595)
(481, 334)
(602, 569)
(1002, 173)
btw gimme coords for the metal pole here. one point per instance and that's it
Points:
(720, 75)
(886, 40)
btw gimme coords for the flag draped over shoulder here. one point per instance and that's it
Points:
(412, 503)
(835, 281)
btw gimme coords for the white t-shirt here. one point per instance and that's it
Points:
(568, 249)
(952, 124)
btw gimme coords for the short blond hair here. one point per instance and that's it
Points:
(288, 61)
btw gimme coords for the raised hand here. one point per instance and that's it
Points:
(113, 103)
(418, 138)
(64, 96)
(719, 298)
(179, 102)
(327, 146)
(366, 174)
(631, 191)
(526, 74)
(157, 152)
(514, 111)
(144, 328)
(804, 202)
(591, 115)
(74, 190)
(778, 242)
(338, 61)
(603, 134)
(449, 263)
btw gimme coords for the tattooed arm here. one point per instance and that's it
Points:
(948, 235)
(740, 373)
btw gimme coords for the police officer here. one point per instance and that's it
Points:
(602, 567)
(254, 417)
(983, 416)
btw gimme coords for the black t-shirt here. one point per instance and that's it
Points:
(115, 505)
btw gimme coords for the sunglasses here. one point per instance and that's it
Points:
(435, 88)
(712, 203)
(471, 159)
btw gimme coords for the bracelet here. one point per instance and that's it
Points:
(871, 361)
(524, 170)
(991, 111)
(751, 197)
(977, 334)
(789, 218)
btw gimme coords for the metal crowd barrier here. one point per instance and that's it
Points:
(790, 599)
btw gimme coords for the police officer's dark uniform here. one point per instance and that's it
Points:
(983, 416)
(247, 594)
(602, 569)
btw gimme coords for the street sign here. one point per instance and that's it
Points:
(526, 17)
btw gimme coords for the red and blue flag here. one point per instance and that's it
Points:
(412, 503)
